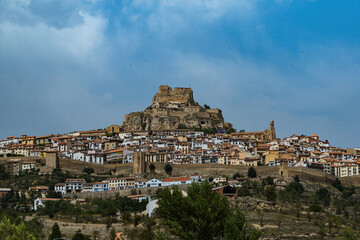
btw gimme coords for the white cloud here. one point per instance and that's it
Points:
(48, 43)
(177, 15)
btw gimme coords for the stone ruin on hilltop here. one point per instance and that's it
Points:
(173, 109)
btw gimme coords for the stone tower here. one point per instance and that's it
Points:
(284, 171)
(272, 131)
(139, 163)
(52, 159)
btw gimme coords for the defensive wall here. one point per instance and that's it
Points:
(216, 170)
(205, 170)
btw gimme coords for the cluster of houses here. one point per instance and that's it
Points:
(113, 184)
(185, 146)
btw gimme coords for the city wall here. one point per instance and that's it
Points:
(215, 170)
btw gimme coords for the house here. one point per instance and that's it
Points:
(195, 178)
(4, 191)
(130, 182)
(140, 183)
(74, 185)
(219, 180)
(111, 144)
(117, 183)
(43, 140)
(27, 165)
(227, 191)
(60, 187)
(154, 183)
(13, 167)
(115, 156)
(176, 181)
(80, 156)
(88, 187)
(101, 186)
(40, 189)
(140, 197)
(344, 170)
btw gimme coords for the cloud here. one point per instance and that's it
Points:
(46, 73)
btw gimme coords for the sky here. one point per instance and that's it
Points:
(69, 65)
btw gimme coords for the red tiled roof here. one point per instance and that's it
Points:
(176, 179)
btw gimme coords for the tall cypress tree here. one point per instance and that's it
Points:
(55, 232)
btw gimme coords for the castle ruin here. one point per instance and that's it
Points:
(172, 109)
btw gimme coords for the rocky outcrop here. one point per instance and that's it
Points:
(172, 109)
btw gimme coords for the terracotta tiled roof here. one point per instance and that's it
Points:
(176, 179)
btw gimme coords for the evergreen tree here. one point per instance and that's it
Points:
(12, 231)
(79, 236)
(152, 167)
(270, 193)
(55, 232)
(236, 228)
(202, 214)
(168, 169)
(252, 173)
(88, 170)
(112, 234)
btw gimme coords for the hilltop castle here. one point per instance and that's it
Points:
(172, 109)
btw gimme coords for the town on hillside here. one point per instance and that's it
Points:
(121, 174)
(184, 146)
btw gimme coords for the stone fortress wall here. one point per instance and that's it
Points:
(179, 95)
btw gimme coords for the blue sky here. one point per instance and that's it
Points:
(70, 65)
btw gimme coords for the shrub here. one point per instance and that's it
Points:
(168, 169)
(252, 173)
(315, 208)
(152, 167)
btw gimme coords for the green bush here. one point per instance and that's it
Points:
(252, 173)
(315, 208)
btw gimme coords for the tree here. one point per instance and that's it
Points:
(315, 208)
(236, 228)
(168, 169)
(112, 234)
(295, 188)
(88, 170)
(270, 193)
(3, 174)
(296, 178)
(12, 231)
(152, 167)
(206, 106)
(252, 173)
(323, 195)
(269, 181)
(202, 214)
(349, 234)
(55, 232)
(95, 234)
(297, 214)
(237, 175)
(337, 184)
(79, 236)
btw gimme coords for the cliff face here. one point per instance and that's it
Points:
(171, 109)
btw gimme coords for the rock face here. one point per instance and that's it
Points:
(171, 109)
